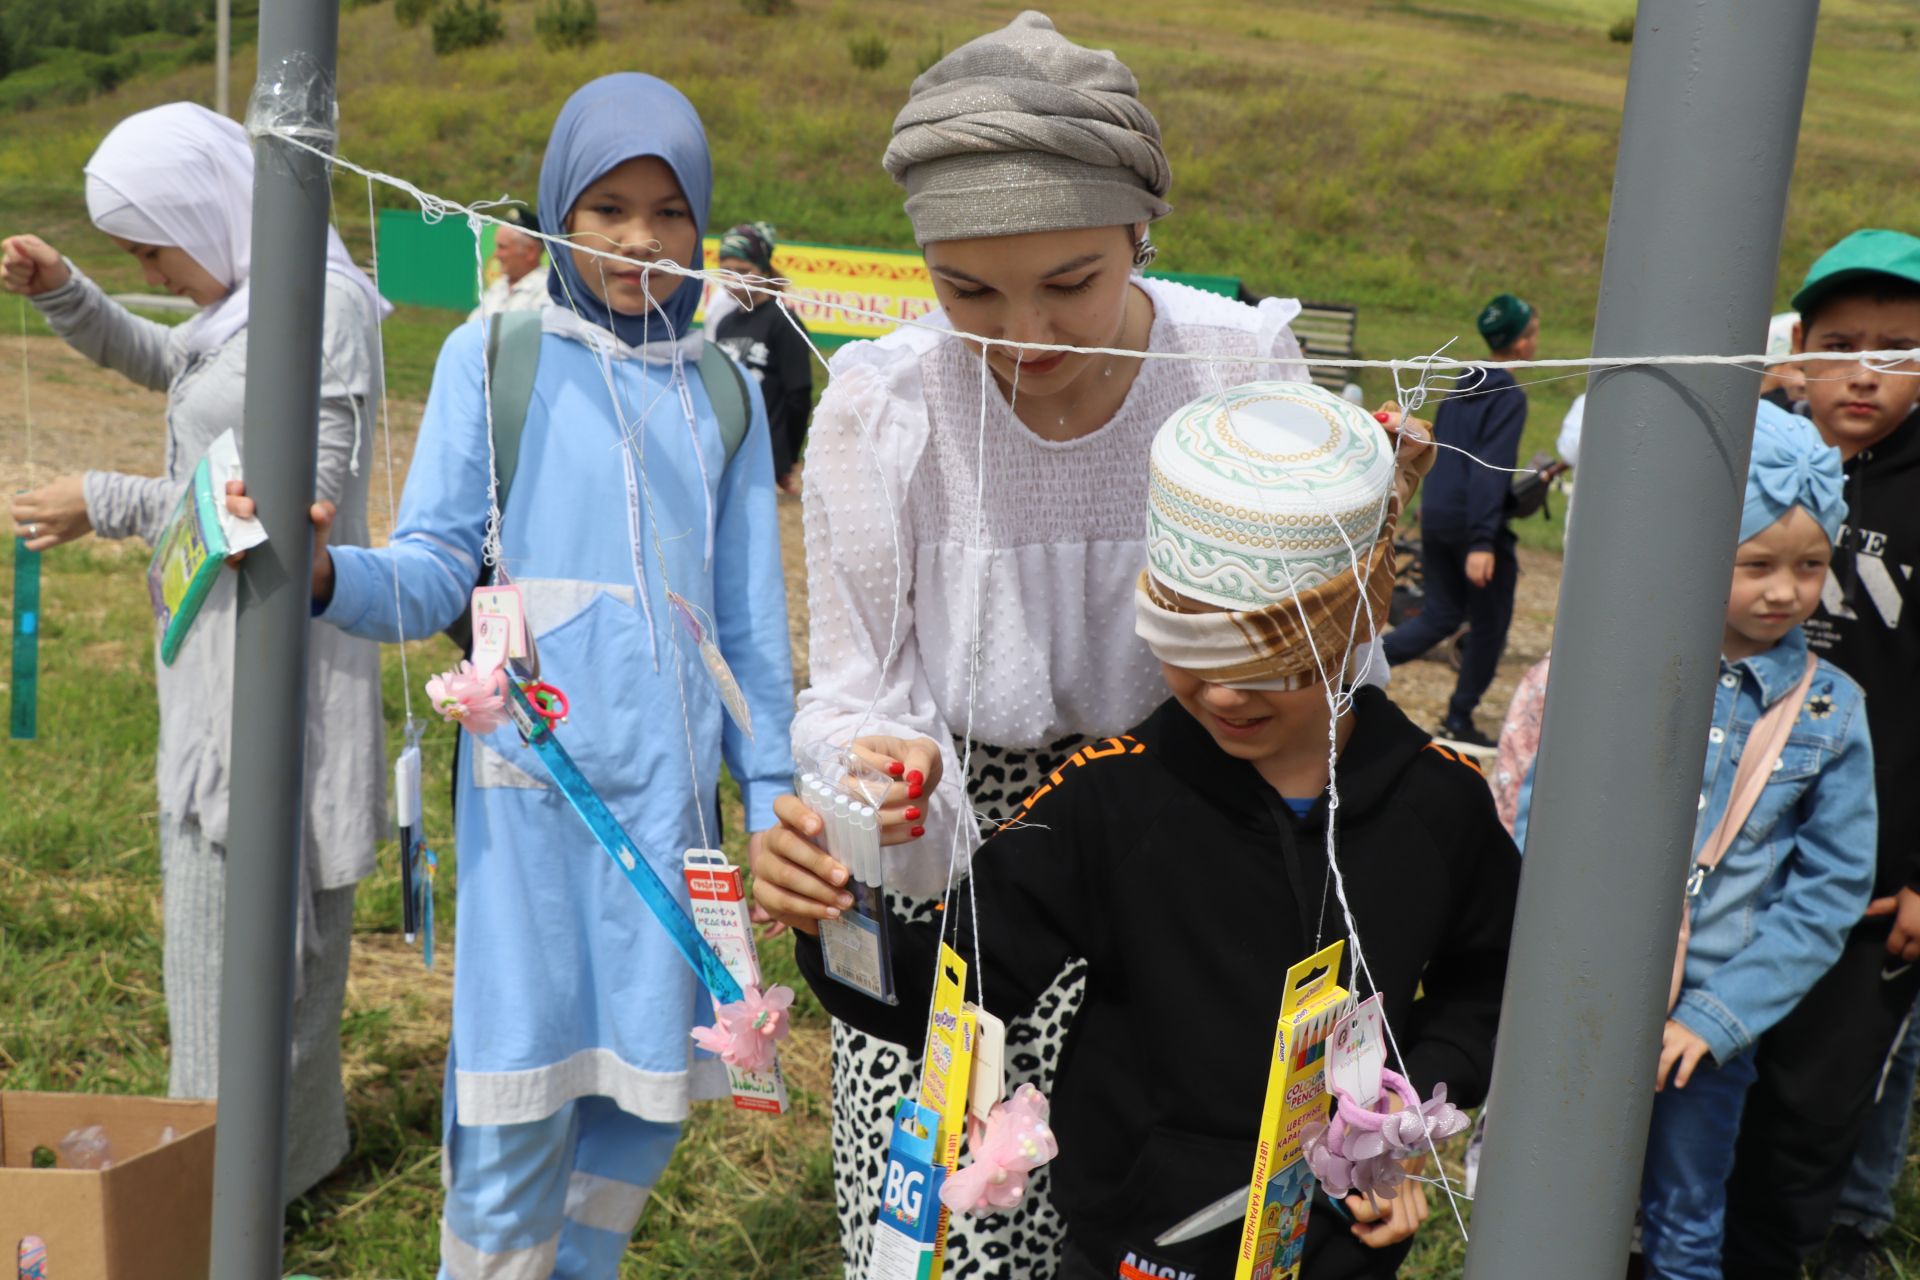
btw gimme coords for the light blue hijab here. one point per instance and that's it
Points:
(1791, 467)
(606, 123)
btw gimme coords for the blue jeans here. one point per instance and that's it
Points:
(1683, 1191)
(1866, 1199)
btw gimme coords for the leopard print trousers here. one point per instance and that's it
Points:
(870, 1075)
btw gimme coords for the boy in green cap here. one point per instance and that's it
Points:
(1466, 547)
(1821, 1068)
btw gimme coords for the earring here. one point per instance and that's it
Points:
(1145, 251)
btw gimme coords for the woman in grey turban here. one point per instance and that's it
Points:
(1032, 172)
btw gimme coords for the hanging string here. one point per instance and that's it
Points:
(386, 433)
(26, 389)
(1465, 374)
(435, 208)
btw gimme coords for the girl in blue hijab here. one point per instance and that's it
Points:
(571, 1068)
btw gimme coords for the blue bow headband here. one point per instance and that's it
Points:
(1791, 467)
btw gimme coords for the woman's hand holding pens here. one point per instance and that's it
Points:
(914, 764)
(795, 881)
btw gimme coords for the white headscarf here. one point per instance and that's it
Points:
(181, 176)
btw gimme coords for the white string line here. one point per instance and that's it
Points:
(26, 388)
(386, 432)
(963, 812)
(676, 378)
(436, 207)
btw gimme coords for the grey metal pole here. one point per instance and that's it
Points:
(223, 53)
(291, 199)
(1706, 151)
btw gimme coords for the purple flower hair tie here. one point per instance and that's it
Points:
(1361, 1148)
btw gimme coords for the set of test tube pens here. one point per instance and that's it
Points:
(852, 832)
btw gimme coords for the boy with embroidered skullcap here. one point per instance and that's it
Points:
(1187, 861)
(1822, 1068)
(1466, 547)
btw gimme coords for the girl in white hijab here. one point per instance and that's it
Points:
(174, 187)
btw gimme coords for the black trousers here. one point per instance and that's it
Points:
(1451, 600)
(1819, 1071)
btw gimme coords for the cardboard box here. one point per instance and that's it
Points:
(147, 1217)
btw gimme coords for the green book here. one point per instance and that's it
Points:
(195, 545)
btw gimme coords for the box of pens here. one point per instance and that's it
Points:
(847, 794)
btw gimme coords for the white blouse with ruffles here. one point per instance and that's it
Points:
(1048, 549)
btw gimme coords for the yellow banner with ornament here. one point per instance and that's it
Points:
(841, 294)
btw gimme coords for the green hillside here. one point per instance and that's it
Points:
(1408, 157)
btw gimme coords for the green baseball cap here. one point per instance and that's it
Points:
(1503, 320)
(1864, 253)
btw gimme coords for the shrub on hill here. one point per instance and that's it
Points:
(465, 24)
(567, 23)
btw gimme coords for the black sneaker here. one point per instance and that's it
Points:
(1464, 737)
(1852, 1256)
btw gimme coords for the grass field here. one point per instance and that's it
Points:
(1409, 157)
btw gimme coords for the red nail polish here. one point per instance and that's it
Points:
(913, 814)
(917, 832)
(915, 778)
(1381, 417)
(895, 768)
(913, 790)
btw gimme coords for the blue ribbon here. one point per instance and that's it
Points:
(620, 847)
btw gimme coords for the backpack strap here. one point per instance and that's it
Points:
(727, 392)
(1765, 742)
(513, 357)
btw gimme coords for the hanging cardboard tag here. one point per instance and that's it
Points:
(491, 634)
(1357, 1053)
(718, 900)
(505, 602)
(989, 1083)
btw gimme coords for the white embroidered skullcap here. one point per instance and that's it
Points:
(1264, 491)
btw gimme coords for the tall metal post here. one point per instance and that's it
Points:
(291, 198)
(1693, 243)
(223, 53)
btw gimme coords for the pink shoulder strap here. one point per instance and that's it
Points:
(1764, 745)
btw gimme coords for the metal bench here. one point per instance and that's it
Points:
(1326, 330)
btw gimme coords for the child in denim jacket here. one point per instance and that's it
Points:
(1770, 919)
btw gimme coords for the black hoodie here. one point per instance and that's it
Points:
(1189, 887)
(1864, 627)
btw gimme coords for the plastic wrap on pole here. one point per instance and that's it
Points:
(294, 97)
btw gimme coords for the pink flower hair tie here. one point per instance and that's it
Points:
(745, 1033)
(1360, 1150)
(1015, 1141)
(475, 701)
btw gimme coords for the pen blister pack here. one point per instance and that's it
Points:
(847, 793)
